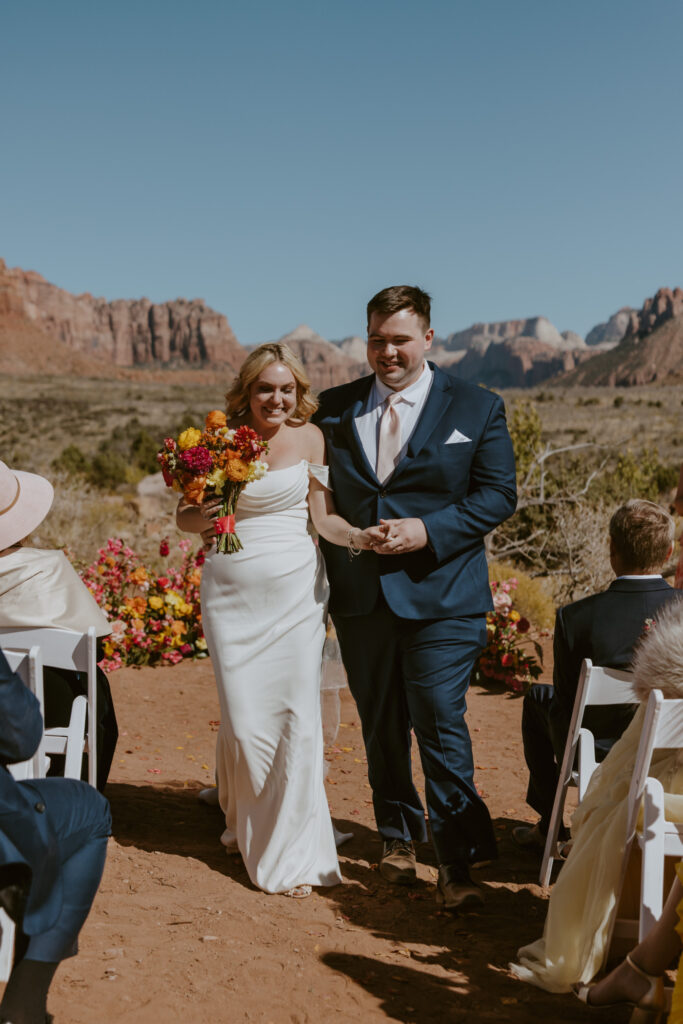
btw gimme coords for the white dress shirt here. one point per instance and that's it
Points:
(409, 407)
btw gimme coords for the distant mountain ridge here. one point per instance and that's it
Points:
(650, 351)
(46, 329)
(125, 332)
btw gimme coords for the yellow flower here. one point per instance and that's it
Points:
(216, 479)
(200, 644)
(156, 603)
(514, 616)
(173, 598)
(189, 438)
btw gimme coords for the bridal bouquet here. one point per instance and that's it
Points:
(217, 461)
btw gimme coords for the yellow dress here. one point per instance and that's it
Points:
(676, 1012)
(573, 946)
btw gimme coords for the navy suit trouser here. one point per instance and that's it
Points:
(405, 673)
(81, 821)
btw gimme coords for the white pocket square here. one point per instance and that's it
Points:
(457, 437)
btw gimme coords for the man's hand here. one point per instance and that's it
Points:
(398, 536)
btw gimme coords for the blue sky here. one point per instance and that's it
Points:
(285, 160)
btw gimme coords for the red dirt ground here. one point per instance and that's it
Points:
(178, 934)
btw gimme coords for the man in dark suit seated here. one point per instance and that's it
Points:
(53, 843)
(606, 628)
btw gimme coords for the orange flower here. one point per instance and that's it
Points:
(139, 575)
(137, 624)
(236, 470)
(194, 490)
(195, 577)
(178, 627)
(215, 420)
(138, 605)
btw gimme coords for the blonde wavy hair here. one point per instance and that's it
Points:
(237, 398)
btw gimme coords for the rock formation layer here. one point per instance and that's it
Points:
(124, 332)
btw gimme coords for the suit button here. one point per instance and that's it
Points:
(382, 494)
(40, 807)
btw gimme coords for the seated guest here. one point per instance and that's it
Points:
(40, 588)
(573, 948)
(605, 628)
(53, 843)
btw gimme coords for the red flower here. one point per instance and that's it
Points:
(523, 626)
(507, 659)
(200, 557)
(198, 460)
(164, 548)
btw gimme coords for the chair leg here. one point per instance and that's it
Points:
(652, 846)
(7, 928)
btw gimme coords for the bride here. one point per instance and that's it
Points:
(263, 613)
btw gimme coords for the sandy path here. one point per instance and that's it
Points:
(177, 933)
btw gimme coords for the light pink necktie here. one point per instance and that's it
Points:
(389, 440)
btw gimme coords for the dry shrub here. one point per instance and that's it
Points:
(583, 531)
(531, 598)
(82, 519)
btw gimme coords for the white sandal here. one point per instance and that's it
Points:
(299, 892)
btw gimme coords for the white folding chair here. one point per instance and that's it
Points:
(66, 649)
(656, 837)
(597, 687)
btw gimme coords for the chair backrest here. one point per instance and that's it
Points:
(28, 666)
(608, 686)
(65, 649)
(662, 730)
(60, 648)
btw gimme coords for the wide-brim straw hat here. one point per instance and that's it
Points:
(25, 500)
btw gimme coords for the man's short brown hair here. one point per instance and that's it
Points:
(401, 296)
(642, 533)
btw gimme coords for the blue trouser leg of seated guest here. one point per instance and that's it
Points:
(404, 672)
(81, 821)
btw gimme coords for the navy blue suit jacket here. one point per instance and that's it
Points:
(460, 491)
(606, 628)
(25, 833)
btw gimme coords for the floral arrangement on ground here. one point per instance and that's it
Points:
(155, 617)
(511, 656)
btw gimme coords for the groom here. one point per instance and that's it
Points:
(426, 460)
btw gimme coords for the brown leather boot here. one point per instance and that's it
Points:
(455, 890)
(398, 862)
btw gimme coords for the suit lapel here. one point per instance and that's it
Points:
(348, 425)
(438, 401)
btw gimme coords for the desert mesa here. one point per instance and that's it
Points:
(45, 329)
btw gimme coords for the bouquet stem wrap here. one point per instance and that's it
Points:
(227, 540)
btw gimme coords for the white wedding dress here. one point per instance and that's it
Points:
(263, 612)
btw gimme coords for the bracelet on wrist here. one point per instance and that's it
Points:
(352, 549)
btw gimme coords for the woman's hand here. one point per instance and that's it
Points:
(361, 539)
(210, 510)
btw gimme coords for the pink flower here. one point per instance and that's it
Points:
(186, 649)
(185, 545)
(118, 629)
(502, 602)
